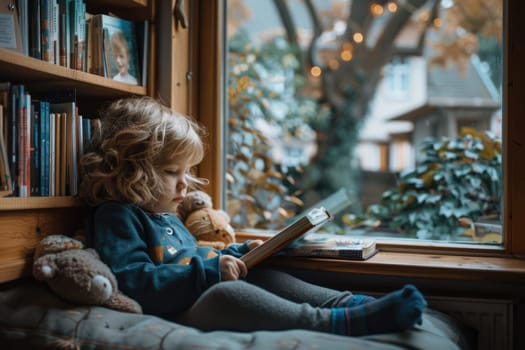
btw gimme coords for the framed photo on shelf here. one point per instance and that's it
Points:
(119, 49)
(10, 35)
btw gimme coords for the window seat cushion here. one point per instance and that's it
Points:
(34, 318)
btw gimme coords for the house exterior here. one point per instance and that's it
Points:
(416, 100)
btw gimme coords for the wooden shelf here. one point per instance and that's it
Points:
(37, 75)
(17, 203)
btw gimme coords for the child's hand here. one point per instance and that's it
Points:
(232, 268)
(254, 244)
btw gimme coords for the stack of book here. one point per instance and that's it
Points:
(332, 246)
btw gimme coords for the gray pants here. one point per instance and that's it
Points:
(267, 300)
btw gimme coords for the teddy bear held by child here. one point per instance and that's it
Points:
(211, 227)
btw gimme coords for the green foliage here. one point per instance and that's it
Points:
(262, 95)
(457, 181)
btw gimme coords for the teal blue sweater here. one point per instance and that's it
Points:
(155, 258)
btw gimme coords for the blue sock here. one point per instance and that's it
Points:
(394, 312)
(359, 299)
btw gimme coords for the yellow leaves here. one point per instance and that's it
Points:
(294, 200)
(490, 147)
(349, 219)
(243, 83)
(274, 173)
(410, 199)
(428, 178)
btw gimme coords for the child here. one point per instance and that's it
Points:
(120, 51)
(136, 175)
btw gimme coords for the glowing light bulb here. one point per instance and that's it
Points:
(391, 6)
(376, 9)
(346, 55)
(358, 37)
(315, 71)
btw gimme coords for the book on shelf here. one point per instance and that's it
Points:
(45, 144)
(36, 114)
(6, 188)
(52, 154)
(23, 105)
(308, 223)
(63, 33)
(332, 246)
(35, 27)
(5, 88)
(77, 34)
(143, 45)
(45, 22)
(23, 13)
(68, 146)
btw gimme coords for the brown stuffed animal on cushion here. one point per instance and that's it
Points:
(78, 275)
(211, 227)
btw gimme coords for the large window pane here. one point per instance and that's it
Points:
(397, 102)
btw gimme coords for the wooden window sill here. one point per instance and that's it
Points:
(416, 265)
(450, 267)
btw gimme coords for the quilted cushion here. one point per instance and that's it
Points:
(34, 318)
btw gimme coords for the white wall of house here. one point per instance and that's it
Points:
(403, 88)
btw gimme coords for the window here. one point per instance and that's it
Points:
(299, 91)
(397, 78)
(512, 132)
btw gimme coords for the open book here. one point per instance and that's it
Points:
(314, 219)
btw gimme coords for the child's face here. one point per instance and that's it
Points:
(174, 176)
(121, 61)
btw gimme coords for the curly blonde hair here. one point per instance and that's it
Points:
(136, 137)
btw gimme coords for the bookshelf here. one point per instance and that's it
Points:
(33, 214)
(37, 75)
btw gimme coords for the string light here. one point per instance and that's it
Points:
(346, 55)
(376, 9)
(315, 71)
(424, 16)
(391, 6)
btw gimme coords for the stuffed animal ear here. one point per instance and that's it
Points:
(121, 302)
(193, 201)
(44, 268)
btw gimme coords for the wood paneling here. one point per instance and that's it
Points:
(21, 230)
